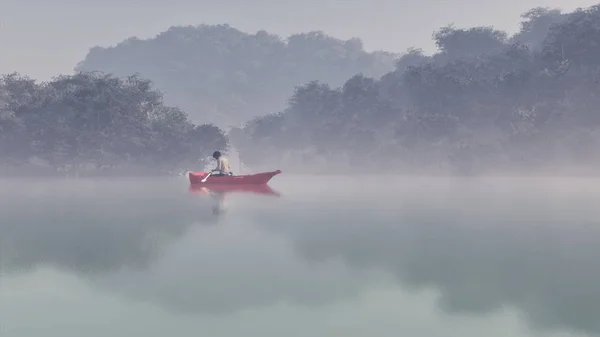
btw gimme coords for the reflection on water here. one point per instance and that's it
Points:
(488, 257)
(220, 193)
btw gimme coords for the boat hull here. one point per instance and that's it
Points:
(251, 179)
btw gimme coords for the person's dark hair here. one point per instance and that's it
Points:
(216, 154)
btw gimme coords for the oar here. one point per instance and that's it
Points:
(208, 175)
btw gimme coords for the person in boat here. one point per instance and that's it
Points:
(222, 168)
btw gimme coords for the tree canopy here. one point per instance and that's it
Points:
(484, 102)
(90, 121)
(221, 75)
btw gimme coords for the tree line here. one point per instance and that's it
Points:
(91, 122)
(484, 102)
(221, 75)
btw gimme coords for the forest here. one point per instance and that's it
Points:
(484, 103)
(223, 76)
(97, 123)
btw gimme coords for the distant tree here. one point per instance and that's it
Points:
(413, 57)
(224, 76)
(535, 26)
(90, 121)
(576, 39)
(482, 103)
(468, 43)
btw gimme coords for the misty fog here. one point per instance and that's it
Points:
(440, 168)
(486, 102)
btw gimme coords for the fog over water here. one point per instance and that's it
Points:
(454, 146)
(331, 256)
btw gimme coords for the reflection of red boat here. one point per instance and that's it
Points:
(251, 179)
(230, 188)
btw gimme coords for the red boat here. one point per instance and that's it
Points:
(251, 179)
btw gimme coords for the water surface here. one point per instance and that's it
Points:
(333, 256)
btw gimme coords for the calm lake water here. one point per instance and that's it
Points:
(332, 256)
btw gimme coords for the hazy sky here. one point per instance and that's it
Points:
(42, 38)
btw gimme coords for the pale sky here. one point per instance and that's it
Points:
(43, 38)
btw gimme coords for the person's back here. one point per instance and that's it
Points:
(222, 164)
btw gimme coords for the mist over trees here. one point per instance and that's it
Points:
(221, 75)
(92, 123)
(484, 102)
